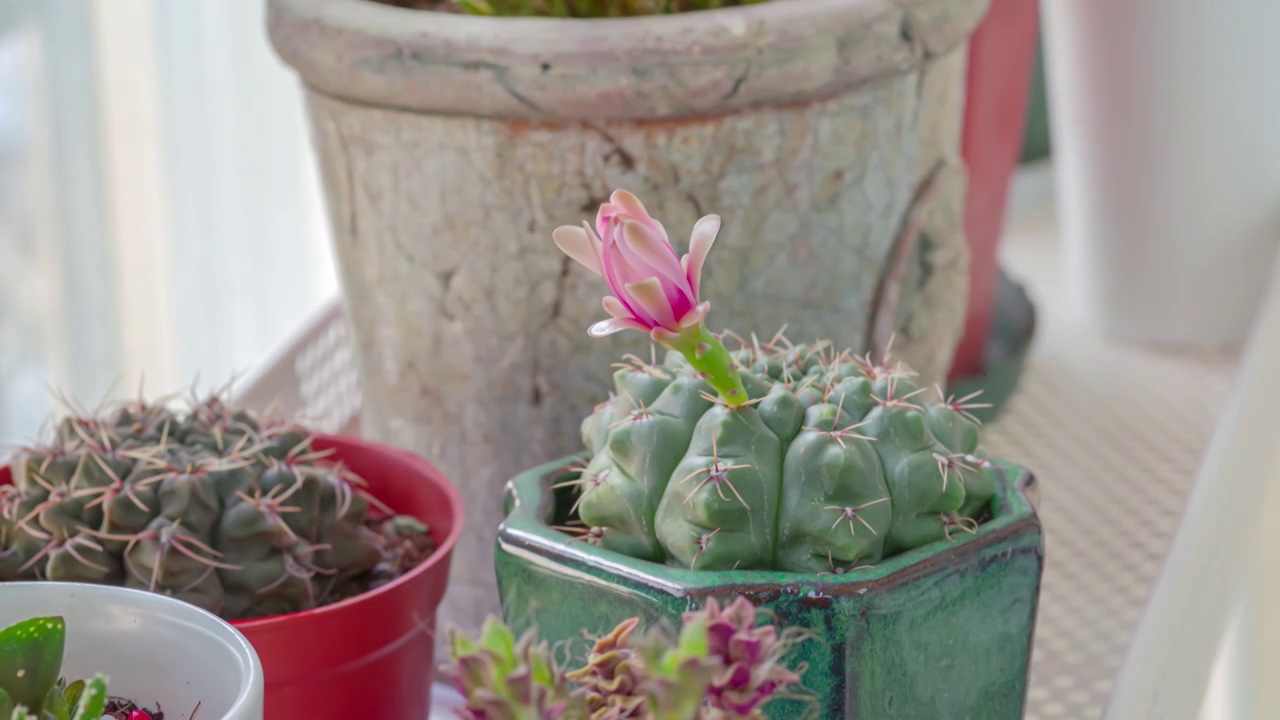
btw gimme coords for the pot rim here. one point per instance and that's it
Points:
(433, 478)
(706, 61)
(525, 533)
(252, 681)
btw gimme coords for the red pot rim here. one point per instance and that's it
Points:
(444, 548)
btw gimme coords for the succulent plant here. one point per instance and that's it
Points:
(215, 507)
(505, 678)
(774, 456)
(721, 666)
(30, 684)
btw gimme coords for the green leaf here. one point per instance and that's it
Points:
(6, 704)
(73, 692)
(93, 700)
(55, 704)
(31, 659)
(497, 638)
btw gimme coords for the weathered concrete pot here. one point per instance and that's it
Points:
(823, 131)
(942, 632)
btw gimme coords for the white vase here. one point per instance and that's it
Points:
(153, 649)
(1166, 140)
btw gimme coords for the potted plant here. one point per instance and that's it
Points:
(452, 143)
(824, 486)
(726, 663)
(144, 657)
(328, 553)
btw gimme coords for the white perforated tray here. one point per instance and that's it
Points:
(1114, 433)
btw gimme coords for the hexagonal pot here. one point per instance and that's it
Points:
(943, 631)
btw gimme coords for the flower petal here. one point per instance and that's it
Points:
(696, 315)
(700, 241)
(613, 325)
(630, 203)
(649, 296)
(656, 253)
(581, 245)
(614, 307)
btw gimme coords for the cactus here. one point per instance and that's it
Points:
(835, 462)
(721, 666)
(215, 507)
(778, 456)
(30, 687)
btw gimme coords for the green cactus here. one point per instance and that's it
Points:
(30, 687)
(214, 507)
(836, 462)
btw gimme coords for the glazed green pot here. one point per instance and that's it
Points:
(941, 632)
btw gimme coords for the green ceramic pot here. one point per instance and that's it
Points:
(941, 632)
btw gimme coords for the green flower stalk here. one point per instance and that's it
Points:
(654, 289)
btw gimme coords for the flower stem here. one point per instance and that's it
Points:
(708, 356)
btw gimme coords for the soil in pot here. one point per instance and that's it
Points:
(215, 507)
(121, 709)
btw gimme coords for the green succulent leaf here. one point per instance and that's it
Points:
(31, 659)
(93, 700)
(6, 704)
(72, 693)
(55, 705)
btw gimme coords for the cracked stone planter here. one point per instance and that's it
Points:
(825, 132)
(940, 632)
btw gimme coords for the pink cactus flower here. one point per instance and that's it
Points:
(138, 715)
(654, 289)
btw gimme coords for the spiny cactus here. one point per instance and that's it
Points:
(834, 462)
(214, 507)
(722, 666)
(781, 456)
(30, 665)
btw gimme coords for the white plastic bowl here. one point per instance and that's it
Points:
(153, 648)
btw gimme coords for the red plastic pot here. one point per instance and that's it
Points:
(1001, 62)
(371, 656)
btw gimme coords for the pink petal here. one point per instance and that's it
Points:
(696, 315)
(649, 296)
(614, 307)
(663, 336)
(619, 273)
(656, 253)
(613, 325)
(580, 244)
(629, 203)
(700, 241)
